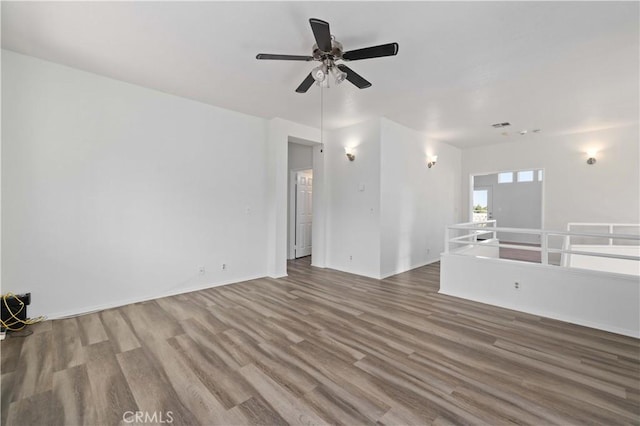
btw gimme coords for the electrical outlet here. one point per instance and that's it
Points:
(350, 258)
(201, 270)
(224, 266)
(516, 285)
(428, 250)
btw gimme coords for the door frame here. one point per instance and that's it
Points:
(291, 251)
(543, 195)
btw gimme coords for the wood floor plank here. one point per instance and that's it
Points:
(426, 400)
(500, 408)
(287, 375)
(333, 370)
(120, 335)
(363, 397)
(148, 321)
(68, 351)
(7, 387)
(500, 385)
(178, 307)
(152, 393)
(33, 410)
(336, 410)
(290, 408)
(91, 329)
(227, 385)
(193, 394)
(400, 416)
(35, 366)
(72, 398)
(112, 396)
(10, 354)
(202, 336)
(258, 412)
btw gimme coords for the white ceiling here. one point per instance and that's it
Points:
(564, 67)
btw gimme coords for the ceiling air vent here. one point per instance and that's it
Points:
(499, 125)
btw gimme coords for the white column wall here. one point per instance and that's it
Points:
(353, 194)
(417, 202)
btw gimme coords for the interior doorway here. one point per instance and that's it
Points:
(300, 201)
(513, 198)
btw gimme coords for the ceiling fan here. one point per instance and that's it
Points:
(328, 51)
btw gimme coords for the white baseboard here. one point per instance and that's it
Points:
(414, 266)
(277, 276)
(547, 314)
(117, 304)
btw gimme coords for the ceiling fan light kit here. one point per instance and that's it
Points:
(320, 73)
(328, 51)
(339, 76)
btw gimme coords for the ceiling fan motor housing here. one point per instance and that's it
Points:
(335, 53)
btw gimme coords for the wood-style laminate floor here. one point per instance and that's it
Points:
(521, 255)
(319, 347)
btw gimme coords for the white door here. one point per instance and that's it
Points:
(304, 215)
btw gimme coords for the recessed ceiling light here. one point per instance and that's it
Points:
(523, 132)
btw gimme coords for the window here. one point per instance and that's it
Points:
(480, 200)
(525, 176)
(505, 177)
(480, 205)
(539, 175)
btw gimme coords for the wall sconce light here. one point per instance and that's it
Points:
(350, 155)
(592, 157)
(432, 161)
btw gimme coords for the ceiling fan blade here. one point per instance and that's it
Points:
(389, 49)
(321, 32)
(284, 57)
(306, 83)
(354, 77)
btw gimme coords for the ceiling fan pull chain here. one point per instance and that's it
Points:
(321, 118)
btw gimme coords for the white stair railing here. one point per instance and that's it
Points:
(474, 229)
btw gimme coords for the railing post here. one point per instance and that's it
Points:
(545, 248)
(446, 239)
(610, 232)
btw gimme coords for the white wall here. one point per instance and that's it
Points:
(300, 156)
(115, 193)
(417, 202)
(591, 298)
(353, 216)
(574, 191)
